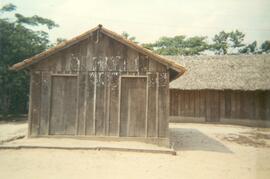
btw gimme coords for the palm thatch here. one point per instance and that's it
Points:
(236, 72)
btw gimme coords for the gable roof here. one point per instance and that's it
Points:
(236, 72)
(35, 59)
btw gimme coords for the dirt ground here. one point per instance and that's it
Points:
(203, 151)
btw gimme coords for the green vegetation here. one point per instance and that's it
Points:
(18, 41)
(223, 43)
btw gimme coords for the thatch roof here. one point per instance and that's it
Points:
(35, 59)
(237, 72)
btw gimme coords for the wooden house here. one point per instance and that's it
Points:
(100, 85)
(232, 89)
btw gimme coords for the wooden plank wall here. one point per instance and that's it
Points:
(97, 67)
(215, 104)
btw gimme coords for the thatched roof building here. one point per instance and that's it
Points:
(236, 72)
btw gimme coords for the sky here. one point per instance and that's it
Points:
(148, 20)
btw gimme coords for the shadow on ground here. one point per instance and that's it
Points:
(193, 139)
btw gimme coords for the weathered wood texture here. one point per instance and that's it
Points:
(99, 87)
(213, 105)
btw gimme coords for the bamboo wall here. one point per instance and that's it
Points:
(213, 105)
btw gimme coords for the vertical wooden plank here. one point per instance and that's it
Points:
(86, 97)
(35, 114)
(114, 104)
(146, 106)
(238, 104)
(172, 102)
(90, 99)
(247, 108)
(233, 104)
(95, 103)
(197, 103)
(227, 99)
(179, 99)
(119, 106)
(163, 101)
(77, 105)
(108, 102)
(222, 104)
(207, 106)
(57, 125)
(100, 104)
(152, 105)
(81, 102)
(45, 102)
(30, 104)
(259, 105)
(70, 102)
(157, 105)
(212, 106)
(202, 103)
(192, 104)
(130, 126)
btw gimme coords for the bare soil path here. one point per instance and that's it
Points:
(203, 151)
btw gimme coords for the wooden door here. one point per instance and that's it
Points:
(133, 106)
(63, 105)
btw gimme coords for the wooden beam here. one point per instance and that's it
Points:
(65, 75)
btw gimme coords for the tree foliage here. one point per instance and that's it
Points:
(222, 43)
(265, 47)
(127, 36)
(225, 42)
(18, 42)
(178, 45)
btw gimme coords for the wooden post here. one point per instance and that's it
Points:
(85, 101)
(50, 104)
(77, 105)
(146, 110)
(30, 105)
(119, 105)
(157, 105)
(108, 108)
(94, 104)
(128, 117)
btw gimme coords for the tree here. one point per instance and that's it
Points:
(265, 47)
(228, 42)
(220, 45)
(250, 48)
(236, 38)
(127, 36)
(18, 42)
(178, 45)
